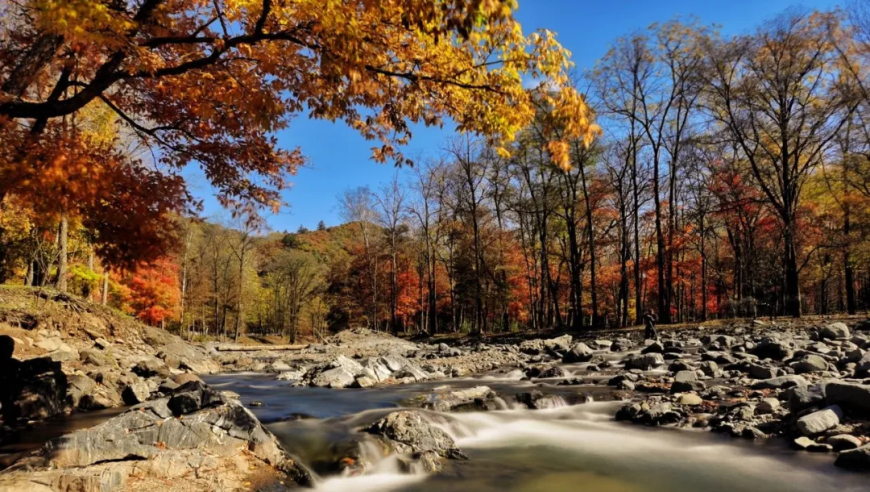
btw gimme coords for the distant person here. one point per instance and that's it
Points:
(650, 319)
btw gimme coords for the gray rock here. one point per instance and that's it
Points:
(376, 369)
(848, 395)
(412, 433)
(580, 352)
(759, 371)
(333, 378)
(780, 382)
(685, 377)
(834, 331)
(809, 363)
(452, 400)
(148, 441)
(801, 398)
(818, 422)
(136, 392)
(645, 362)
(394, 362)
(79, 386)
(767, 406)
(690, 399)
(412, 371)
(348, 364)
(855, 459)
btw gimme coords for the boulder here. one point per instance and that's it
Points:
(801, 398)
(580, 352)
(394, 362)
(645, 362)
(818, 422)
(333, 378)
(685, 377)
(844, 442)
(767, 406)
(147, 441)
(809, 363)
(773, 349)
(79, 385)
(376, 369)
(835, 331)
(411, 371)
(448, 400)
(848, 395)
(411, 433)
(34, 389)
(690, 399)
(855, 459)
(136, 392)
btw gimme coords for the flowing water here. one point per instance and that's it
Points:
(570, 448)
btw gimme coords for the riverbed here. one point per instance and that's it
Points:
(574, 446)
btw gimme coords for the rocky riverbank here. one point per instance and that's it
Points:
(803, 381)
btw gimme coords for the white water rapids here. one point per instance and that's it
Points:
(563, 449)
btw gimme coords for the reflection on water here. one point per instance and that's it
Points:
(568, 449)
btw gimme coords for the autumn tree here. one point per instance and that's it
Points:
(780, 96)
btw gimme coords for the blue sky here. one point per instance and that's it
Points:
(340, 158)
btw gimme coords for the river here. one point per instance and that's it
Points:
(568, 448)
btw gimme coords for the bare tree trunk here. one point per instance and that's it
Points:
(105, 298)
(63, 253)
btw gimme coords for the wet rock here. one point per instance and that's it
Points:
(848, 395)
(818, 422)
(807, 444)
(654, 415)
(621, 345)
(855, 459)
(835, 331)
(844, 442)
(645, 362)
(653, 348)
(578, 353)
(552, 372)
(412, 433)
(447, 400)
